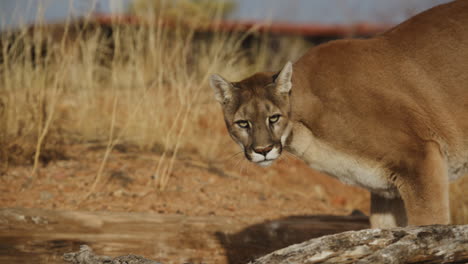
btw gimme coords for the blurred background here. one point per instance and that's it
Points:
(110, 135)
(17, 12)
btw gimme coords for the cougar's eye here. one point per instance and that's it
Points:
(243, 123)
(273, 119)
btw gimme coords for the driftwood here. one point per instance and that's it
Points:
(427, 244)
(87, 256)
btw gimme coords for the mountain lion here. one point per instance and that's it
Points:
(389, 114)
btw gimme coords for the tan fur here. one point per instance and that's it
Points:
(388, 113)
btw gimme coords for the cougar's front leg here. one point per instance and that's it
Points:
(425, 191)
(386, 212)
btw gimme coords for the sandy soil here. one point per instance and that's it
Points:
(195, 187)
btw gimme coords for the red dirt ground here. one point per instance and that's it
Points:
(195, 188)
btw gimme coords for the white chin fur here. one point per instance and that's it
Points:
(257, 157)
(265, 163)
(273, 154)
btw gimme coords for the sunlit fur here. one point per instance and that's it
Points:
(256, 100)
(388, 113)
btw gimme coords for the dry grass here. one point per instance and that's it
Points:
(144, 86)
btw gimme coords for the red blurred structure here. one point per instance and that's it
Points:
(306, 30)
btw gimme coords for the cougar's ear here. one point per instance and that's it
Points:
(222, 88)
(283, 80)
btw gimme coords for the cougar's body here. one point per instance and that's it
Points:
(389, 113)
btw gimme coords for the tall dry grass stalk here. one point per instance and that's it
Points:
(120, 83)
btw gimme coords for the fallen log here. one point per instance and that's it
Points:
(425, 244)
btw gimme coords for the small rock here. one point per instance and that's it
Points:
(119, 193)
(45, 195)
(38, 220)
(20, 218)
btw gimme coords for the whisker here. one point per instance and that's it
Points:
(290, 155)
(239, 161)
(284, 157)
(231, 156)
(241, 170)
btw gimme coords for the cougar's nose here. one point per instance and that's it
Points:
(263, 150)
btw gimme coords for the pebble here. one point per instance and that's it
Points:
(45, 195)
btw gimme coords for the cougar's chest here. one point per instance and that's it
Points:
(351, 170)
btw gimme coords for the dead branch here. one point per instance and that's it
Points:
(426, 244)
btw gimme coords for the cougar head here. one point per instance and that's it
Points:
(257, 111)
